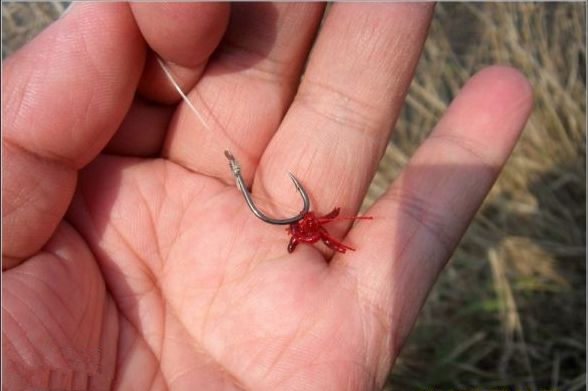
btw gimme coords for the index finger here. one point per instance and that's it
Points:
(182, 34)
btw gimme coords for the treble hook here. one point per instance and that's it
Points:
(236, 169)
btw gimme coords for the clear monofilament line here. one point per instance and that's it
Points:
(172, 80)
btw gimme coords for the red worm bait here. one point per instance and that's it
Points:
(310, 230)
(306, 227)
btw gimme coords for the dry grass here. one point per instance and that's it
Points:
(21, 22)
(509, 310)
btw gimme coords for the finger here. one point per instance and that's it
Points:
(246, 88)
(421, 218)
(64, 96)
(182, 34)
(336, 130)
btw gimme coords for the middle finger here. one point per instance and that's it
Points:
(337, 128)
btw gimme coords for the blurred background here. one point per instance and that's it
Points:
(509, 311)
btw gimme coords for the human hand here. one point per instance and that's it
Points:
(132, 261)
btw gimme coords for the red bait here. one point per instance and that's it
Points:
(310, 230)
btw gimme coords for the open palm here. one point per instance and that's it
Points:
(131, 260)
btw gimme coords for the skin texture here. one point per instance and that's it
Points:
(130, 259)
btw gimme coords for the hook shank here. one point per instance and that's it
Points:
(236, 170)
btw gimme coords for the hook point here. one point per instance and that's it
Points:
(296, 182)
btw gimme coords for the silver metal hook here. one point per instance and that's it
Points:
(236, 169)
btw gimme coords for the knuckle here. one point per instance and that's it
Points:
(339, 107)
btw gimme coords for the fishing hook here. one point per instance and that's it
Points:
(236, 169)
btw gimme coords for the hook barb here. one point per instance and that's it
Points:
(236, 170)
